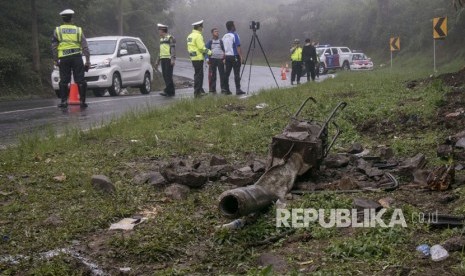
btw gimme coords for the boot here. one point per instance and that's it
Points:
(239, 91)
(82, 94)
(64, 93)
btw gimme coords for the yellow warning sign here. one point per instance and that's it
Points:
(394, 43)
(439, 27)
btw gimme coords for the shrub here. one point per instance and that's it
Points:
(11, 65)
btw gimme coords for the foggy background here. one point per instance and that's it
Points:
(367, 25)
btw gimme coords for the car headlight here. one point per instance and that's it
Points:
(104, 63)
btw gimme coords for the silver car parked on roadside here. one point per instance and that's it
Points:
(116, 62)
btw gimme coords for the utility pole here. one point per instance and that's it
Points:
(120, 17)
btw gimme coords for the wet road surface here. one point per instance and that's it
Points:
(41, 117)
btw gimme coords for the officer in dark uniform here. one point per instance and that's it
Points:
(68, 46)
(309, 58)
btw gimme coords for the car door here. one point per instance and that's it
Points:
(144, 60)
(130, 61)
(336, 57)
(329, 58)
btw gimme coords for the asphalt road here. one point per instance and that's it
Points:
(41, 117)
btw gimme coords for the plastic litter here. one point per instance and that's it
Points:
(235, 224)
(438, 253)
(127, 223)
(261, 106)
(424, 249)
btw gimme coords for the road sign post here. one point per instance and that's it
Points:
(394, 45)
(439, 32)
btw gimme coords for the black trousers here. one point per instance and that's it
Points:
(198, 76)
(296, 71)
(232, 63)
(310, 67)
(167, 72)
(215, 63)
(71, 64)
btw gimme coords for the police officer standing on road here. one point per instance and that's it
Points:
(296, 57)
(232, 46)
(216, 61)
(167, 59)
(309, 58)
(68, 46)
(197, 51)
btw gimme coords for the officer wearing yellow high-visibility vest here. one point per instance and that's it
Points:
(167, 59)
(296, 57)
(68, 46)
(197, 51)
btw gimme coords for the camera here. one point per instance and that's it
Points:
(254, 25)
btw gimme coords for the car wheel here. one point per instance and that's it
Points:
(57, 92)
(346, 66)
(99, 92)
(146, 87)
(322, 69)
(115, 88)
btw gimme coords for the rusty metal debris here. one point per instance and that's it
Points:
(302, 146)
(388, 186)
(441, 178)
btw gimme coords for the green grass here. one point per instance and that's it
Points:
(181, 239)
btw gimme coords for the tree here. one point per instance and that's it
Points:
(35, 38)
(458, 4)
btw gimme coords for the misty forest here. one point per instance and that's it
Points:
(359, 24)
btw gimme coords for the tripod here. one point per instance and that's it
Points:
(252, 47)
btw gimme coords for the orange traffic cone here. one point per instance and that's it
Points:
(73, 94)
(283, 74)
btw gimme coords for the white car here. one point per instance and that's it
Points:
(361, 62)
(116, 62)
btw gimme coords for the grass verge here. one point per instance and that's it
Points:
(181, 238)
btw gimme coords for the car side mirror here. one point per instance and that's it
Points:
(123, 52)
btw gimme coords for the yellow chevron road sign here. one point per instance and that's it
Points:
(439, 27)
(394, 43)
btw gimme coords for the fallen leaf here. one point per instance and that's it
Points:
(60, 178)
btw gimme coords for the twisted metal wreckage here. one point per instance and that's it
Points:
(302, 146)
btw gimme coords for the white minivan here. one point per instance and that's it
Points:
(116, 62)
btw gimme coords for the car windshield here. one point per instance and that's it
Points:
(319, 51)
(102, 47)
(359, 57)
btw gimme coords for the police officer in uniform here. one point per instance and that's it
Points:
(197, 51)
(68, 46)
(296, 57)
(167, 59)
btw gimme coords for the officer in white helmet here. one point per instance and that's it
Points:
(167, 59)
(197, 52)
(68, 46)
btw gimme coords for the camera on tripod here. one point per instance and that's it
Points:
(254, 25)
